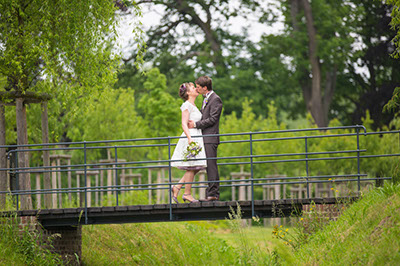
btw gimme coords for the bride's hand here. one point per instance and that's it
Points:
(190, 140)
(190, 124)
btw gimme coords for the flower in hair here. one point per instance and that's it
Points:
(183, 87)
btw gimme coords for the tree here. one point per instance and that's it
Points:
(322, 27)
(394, 103)
(336, 54)
(109, 115)
(160, 110)
(181, 24)
(55, 47)
(197, 30)
(373, 86)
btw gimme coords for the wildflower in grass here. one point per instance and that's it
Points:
(337, 191)
(301, 219)
(256, 219)
(287, 230)
(332, 188)
(329, 179)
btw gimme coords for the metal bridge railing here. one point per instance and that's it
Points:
(252, 159)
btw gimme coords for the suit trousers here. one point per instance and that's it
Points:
(212, 170)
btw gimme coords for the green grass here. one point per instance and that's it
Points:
(178, 243)
(154, 244)
(8, 256)
(259, 236)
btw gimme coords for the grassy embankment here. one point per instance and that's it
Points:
(368, 232)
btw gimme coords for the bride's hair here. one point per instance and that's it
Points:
(183, 91)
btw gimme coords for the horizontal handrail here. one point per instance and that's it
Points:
(165, 161)
(167, 185)
(178, 137)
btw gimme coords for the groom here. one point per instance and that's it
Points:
(209, 124)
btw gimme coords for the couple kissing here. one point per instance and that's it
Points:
(192, 151)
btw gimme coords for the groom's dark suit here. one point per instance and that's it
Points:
(209, 124)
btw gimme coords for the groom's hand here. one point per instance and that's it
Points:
(190, 124)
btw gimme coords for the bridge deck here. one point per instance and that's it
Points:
(180, 212)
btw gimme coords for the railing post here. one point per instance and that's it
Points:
(306, 149)
(116, 173)
(252, 177)
(169, 179)
(358, 159)
(85, 170)
(16, 176)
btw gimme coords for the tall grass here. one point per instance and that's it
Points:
(179, 243)
(23, 246)
(154, 244)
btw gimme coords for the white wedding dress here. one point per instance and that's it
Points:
(195, 115)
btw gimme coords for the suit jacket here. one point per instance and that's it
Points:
(209, 123)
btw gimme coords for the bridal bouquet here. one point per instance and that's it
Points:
(191, 151)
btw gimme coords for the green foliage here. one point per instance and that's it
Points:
(109, 115)
(248, 122)
(60, 48)
(395, 23)
(161, 110)
(65, 42)
(394, 103)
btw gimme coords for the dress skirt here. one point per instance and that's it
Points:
(181, 148)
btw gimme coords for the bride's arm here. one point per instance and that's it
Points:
(185, 120)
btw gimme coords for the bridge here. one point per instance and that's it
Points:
(82, 187)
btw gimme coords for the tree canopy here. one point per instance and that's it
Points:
(57, 45)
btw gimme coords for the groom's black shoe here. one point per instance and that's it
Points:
(210, 199)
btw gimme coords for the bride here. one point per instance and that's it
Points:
(188, 93)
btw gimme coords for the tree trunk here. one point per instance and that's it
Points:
(24, 181)
(3, 160)
(294, 11)
(329, 90)
(46, 156)
(316, 107)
